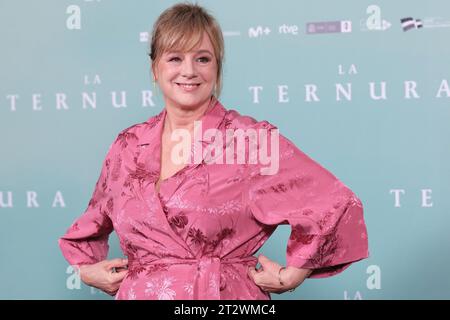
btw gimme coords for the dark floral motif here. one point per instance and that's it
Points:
(179, 221)
(157, 267)
(299, 235)
(115, 174)
(285, 186)
(197, 236)
(110, 206)
(129, 249)
(226, 232)
(154, 120)
(127, 181)
(147, 225)
(145, 263)
(80, 247)
(325, 221)
(138, 232)
(226, 122)
(74, 227)
(238, 177)
(93, 202)
(220, 236)
(141, 174)
(134, 270)
(104, 185)
(99, 190)
(280, 187)
(103, 227)
(307, 212)
(327, 250)
(125, 137)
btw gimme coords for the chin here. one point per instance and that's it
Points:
(190, 102)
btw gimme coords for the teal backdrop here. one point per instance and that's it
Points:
(361, 92)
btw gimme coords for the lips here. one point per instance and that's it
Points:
(188, 86)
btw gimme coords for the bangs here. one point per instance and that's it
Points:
(183, 36)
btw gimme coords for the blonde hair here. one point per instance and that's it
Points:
(181, 28)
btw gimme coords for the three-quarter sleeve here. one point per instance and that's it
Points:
(86, 241)
(328, 231)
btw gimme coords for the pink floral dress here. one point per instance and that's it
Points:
(196, 237)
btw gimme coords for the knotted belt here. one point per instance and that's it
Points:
(209, 280)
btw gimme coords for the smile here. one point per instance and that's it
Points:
(188, 86)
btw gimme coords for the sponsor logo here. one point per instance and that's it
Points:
(409, 23)
(344, 26)
(374, 21)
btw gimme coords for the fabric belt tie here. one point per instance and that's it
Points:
(208, 278)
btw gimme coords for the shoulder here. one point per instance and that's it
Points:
(235, 120)
(129, 135)
(265, 132)
(136, 133)
(259, 129)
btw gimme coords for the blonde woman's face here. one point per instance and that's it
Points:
(187, 79)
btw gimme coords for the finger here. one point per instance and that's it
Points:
(117, 263)
(267, 263)
(118, 276)
(251, 273)
(264, 278)
(262, 259)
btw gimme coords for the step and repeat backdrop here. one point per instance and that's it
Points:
(360, 86)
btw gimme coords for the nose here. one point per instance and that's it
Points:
(188, 69)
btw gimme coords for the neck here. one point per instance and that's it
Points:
(178, 118)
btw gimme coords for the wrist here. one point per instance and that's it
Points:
(293, 277)
(81, 270)
(285, 278)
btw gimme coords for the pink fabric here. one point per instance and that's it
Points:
(197, 236)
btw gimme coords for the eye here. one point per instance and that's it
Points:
(204, 59)
(174, 59)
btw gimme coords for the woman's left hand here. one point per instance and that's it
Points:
(267, 277)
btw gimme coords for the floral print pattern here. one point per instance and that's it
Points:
(196, 237)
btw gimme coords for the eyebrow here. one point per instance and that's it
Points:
(206, 51)
(199, 51)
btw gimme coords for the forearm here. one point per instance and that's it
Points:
(293, 277)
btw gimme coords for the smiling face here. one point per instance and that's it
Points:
(187, 79)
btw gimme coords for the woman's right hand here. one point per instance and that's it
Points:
(104, 275)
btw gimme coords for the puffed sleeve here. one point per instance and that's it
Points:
(86, 241)
(328, 231)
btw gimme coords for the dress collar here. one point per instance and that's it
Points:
(152, 135)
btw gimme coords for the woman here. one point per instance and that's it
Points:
(190, 229)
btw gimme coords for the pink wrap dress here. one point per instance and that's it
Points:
(196, 237)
